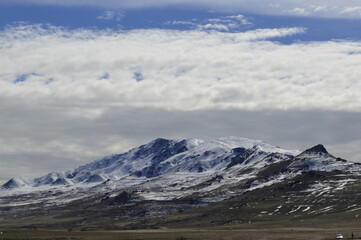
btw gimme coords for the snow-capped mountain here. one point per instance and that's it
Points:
(156, 158)
(184, 173)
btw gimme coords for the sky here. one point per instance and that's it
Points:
(82, 79)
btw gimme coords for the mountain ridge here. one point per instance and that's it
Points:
(162, 149)
(165, 177)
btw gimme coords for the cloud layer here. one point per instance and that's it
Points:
(68, 97)
(314, 8)
(183, 70)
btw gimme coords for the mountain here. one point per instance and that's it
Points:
(159, 157)
(165, 178)
(15, 183)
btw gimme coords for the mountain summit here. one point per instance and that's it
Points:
(317, 149)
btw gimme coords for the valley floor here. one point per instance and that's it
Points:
(251, 232)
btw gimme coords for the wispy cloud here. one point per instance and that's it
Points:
(355, 9)
(111, 15)
(225, 23)
(177, 22)
(300, 11)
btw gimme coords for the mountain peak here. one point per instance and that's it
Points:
(161, 140)
(317, 149)
(14, 183)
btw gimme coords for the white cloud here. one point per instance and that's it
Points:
(226, 23)
(242, 19)
(210, 26)
(324, 8)
(184, 70)
(111, 15)
(80, 98)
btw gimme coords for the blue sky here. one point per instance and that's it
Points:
(83, 79)
(318, 28)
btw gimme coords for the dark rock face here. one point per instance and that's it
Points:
(59, 181)
(122, 198)
(161, 150)
(243, 156)
(238, 150)
(316, 149)
(240, 158)
(10, 184)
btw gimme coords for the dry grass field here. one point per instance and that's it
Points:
(236, 232)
